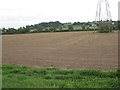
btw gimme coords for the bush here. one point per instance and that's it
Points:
(105, 27)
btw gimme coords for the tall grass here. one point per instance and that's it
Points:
(26, 77)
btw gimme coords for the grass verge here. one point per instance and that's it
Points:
(15, 76)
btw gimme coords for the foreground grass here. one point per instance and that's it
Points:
(26, 77)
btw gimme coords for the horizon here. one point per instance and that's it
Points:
(52, 21)
(15, 14)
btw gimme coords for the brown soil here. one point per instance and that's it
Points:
(71, 50)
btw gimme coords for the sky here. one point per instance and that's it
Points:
(119, 11)
(18, 13)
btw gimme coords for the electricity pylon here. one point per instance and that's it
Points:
(103, 13)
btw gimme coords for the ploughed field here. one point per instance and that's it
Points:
(70, 50)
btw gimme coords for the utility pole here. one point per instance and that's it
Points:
(103, 14)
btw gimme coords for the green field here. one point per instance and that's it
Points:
(26, 77)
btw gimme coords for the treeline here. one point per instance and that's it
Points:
(56, 27)
(41, 27)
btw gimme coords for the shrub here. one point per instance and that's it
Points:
(105, 27)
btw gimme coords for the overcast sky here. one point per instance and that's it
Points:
(18, 13)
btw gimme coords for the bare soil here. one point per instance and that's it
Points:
(70, 50)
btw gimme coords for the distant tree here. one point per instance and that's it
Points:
(118, 25)
(3, 30)
(60, 28)
(115, 25)
(10, 31)
(70, 27)
(83, 27)
(51, 29)
(76, 23)
(23, 30)
(105, 27)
